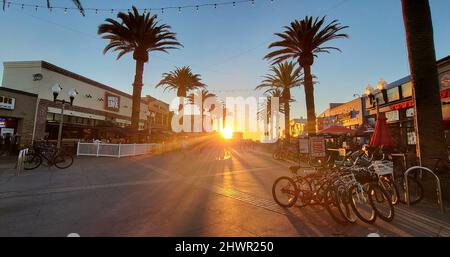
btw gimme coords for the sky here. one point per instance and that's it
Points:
(225, 45)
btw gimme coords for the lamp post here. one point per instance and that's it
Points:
(381, 88)
(56, 89)
(152, 116)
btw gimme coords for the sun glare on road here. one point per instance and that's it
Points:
(227, 133)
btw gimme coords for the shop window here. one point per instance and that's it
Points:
(393, 94)
(411, 137)
(407, 90)
(380, 98)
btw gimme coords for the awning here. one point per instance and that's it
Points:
(337, 131)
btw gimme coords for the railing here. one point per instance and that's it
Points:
(438, 186)
(21, 160)
(115, 150)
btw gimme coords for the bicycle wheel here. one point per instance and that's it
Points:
(63, 160)
(389, 186)
(276, 155)
(32, 161)
(285, 192)
(344, 206)
(304, 192)
(360, 203)
(416, 191)
(381, 202)
(331, 205)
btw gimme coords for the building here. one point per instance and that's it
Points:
(17, 113)
(399, 107)
(98, 111)
(298, 126)
(350, 115)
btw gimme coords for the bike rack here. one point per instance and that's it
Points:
(438, 185)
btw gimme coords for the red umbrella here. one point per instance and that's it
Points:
(337, 130)
(382, 134)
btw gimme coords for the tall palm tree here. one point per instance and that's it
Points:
(265, 109)
(203, 95)
(303, 40)
(76, 2)
(424, 77)
(285, 75)
(138, 34)
(181, 80)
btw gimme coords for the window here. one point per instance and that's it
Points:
(380, 98)
(393, 94)
(407, 90)
(411, 137)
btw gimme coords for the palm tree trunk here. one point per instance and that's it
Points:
(309, 95)
(287, 115)
(424, 77)
(137, 90)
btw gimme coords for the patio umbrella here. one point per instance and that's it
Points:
(382, 134)
(337, 131)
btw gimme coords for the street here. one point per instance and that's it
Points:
(173, 195)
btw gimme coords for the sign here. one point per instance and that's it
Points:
(403, 105)
(410, 113)
(8, 103)
(2, 123)
(445, 81)
(392, 116)
(317, 146)
(303, 145)
(112, 102)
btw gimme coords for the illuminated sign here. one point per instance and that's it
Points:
(392, 116)
(7, 102)
(112, 102)
(2, 123)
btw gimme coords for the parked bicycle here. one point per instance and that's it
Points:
(49, 153)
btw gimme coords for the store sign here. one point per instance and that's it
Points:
(2, 123)
(112, 102)
(8, 103)
(303, 144)
(392, 116)
(410, 113)
(317, 146)
(401, 106)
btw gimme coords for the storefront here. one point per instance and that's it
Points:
(98, 111)
(349, 115)
(17, 112)
(399, 107)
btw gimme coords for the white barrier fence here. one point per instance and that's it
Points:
(115, 150)
(21, 160)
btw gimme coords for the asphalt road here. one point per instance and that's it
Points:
(178, 195)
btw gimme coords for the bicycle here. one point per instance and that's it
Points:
(50, 154)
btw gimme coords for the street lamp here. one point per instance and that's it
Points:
(56, 89)
(382, 89)
(152, 116)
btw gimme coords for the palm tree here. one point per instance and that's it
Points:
(265, 110)
(181, 80)
(303, 40)
(285, 75)
(203, 95)
(76, 2)
(137, 34)
(424, 77)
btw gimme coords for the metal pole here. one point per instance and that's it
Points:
(61, 125)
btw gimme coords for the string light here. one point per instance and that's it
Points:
(197, 7)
